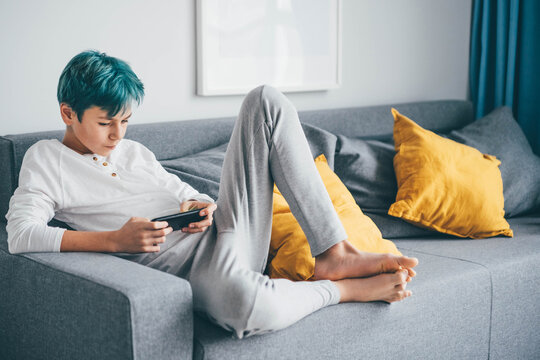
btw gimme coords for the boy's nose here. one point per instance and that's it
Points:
(116, 132)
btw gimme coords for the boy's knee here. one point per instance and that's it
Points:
(268, 100)
(273, 98)
(266, 95)
(228, 301)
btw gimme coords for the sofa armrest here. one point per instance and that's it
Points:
(91, 306)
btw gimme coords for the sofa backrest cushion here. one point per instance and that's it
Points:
(171, 140)
(499, 134)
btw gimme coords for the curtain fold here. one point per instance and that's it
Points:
(528, 89)
(505, 60)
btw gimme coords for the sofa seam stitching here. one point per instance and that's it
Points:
(200, 346)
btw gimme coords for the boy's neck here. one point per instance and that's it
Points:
(71, 141)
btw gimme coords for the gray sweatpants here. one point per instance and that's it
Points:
(224, 264)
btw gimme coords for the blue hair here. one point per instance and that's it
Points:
(92, 78)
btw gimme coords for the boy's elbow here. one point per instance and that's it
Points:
(29, 236)
(17, 238)
(13, 244)
(13, 250)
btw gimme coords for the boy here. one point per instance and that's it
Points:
(107, 188)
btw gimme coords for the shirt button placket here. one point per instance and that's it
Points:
(106, 164)
(114, 173)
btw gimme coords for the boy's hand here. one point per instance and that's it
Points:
(207, 209)
(140, 235)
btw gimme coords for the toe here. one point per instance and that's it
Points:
(400, 277)
(408, 262)
(403, 294)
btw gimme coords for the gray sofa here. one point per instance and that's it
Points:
(472, 299)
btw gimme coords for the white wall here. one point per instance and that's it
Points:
(393, 51)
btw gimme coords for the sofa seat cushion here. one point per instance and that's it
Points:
(447, 317)
(513, 267)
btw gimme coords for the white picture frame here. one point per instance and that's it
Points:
(293, 45)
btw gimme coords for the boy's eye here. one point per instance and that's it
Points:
(106, 124)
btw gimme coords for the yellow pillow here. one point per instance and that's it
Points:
(446, 186)
(290, 254)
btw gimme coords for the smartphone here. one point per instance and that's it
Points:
(181, 220)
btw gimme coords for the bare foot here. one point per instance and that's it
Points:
(389, 287)
(343, 261)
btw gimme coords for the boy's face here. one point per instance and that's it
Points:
(96, 133)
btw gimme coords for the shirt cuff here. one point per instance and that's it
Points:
(201, 197)
(55, 235)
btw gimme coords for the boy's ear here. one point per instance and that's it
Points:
(68, 115)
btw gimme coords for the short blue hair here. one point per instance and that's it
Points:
(92, 78)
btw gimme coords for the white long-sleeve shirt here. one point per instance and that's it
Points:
(88, 192)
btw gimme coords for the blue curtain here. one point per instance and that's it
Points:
(505, 60)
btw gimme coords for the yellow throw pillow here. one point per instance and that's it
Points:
(446, 186)
(290, 254)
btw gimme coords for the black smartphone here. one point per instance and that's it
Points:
(181, 220)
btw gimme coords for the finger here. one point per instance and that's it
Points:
(209, 209)
(196, 205)
(160, 240)
(154, 241)
(154, 225)
(205, 211)
(194, 230)
(186, 205)
(212, 209)
(209, 217)
(206, 208)
(160, 232)
(200, 224)
(151, 248)
(139, 219)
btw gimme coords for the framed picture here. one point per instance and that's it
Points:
(293, 45)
